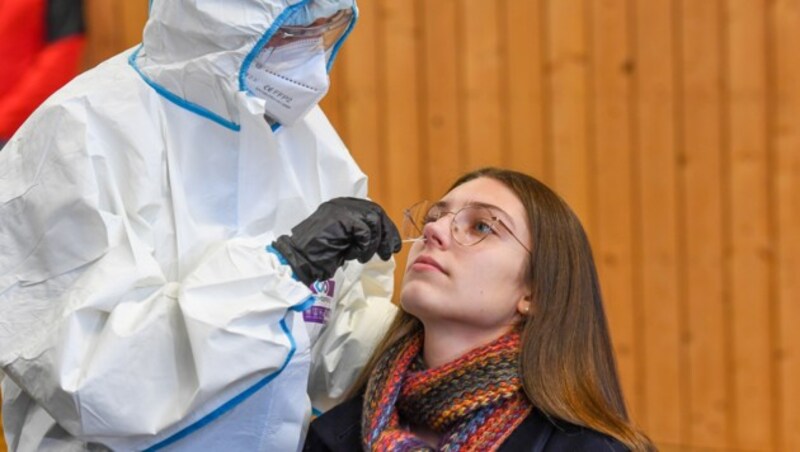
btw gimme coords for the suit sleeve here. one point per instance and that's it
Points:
(361, 315)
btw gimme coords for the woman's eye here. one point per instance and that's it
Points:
(429, 218)
(483, 228)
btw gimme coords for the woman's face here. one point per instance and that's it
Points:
(478, 289)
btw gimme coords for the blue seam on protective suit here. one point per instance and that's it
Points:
(179, 101)
(305, 305)
(282, 260)
(232, 403)
(197, 109)
(339, 43)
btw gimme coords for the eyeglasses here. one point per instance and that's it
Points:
(469, 226)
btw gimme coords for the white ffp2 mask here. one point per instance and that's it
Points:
(291, 78)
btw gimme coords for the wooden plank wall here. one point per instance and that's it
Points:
(112, 26)
(673, 129)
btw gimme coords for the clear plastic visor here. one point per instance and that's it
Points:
(328, 30)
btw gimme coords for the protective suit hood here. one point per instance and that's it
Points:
(196, 52)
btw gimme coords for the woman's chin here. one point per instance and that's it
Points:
(413, 296)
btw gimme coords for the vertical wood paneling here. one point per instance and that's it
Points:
(400, 144)
(444, 152)
(611, 88)
(112, 26)
(701, 183)
(135, 14)
(524, 81)
(655, 157)
(400, 140)
(785, 17)
(333, 102)
(567, 64)
(747, 200)
(102, 28)
(480, 75)
(359, 80)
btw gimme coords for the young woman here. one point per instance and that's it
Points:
(501, 343)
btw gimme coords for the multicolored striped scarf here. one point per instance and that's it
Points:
(473, 403)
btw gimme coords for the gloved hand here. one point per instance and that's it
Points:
(316, 9)
(339, 230)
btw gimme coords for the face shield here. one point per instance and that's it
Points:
(290, 73)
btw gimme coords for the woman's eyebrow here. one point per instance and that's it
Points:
(445, 205)
(494, 208)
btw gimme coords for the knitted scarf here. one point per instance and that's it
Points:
(474, 403)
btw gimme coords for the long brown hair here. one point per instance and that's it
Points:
(566, 361)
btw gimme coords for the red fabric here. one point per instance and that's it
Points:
(32, 68)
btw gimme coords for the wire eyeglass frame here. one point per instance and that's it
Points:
(491, 220)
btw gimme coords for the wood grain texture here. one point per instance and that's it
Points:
(657, 220)
(480, 93)
(567, 70)
(784, 172)
(612, 191)
(747, 201)
(523, 81)
(700, 178)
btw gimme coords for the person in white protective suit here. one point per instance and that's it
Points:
(141, 306)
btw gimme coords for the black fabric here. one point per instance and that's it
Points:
(339, 430)
(64, 19)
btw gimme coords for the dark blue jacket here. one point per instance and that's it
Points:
(339, 430)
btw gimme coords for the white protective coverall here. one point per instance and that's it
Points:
(138, 306)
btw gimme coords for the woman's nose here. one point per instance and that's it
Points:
(437, 233)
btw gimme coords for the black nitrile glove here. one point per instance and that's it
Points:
(339, 230)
